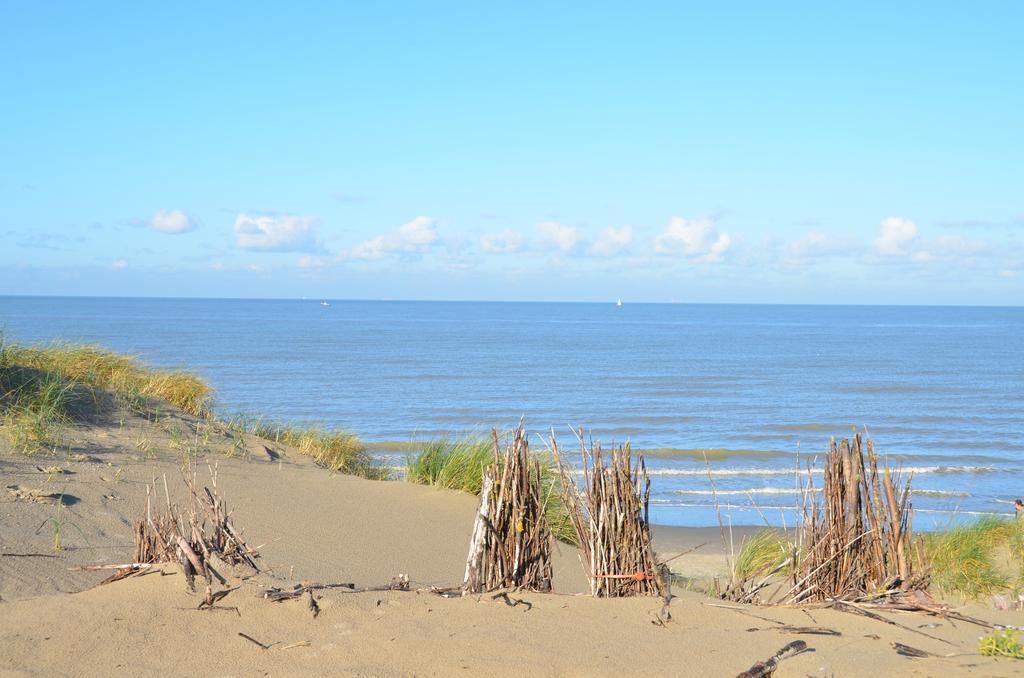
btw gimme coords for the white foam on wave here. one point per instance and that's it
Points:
(664, 503)
(916, 470)
(790, 490)
(750, 490)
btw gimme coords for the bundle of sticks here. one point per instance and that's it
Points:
(854, 537)
(511, 542)
(165, 536)
(610, 514)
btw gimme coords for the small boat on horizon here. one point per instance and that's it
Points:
(619, 302)
(324, 303)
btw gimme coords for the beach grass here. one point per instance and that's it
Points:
(337, 451)
(965, 560)
(43, 388)
(458, 463)
(760, 555)
(451, 463)
(97, 372)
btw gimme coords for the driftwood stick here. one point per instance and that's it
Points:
(473, 579)
(768, 666)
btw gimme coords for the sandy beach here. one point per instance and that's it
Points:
(311, 525)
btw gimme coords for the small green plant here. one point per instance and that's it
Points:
(1001, 644)
(57, 521)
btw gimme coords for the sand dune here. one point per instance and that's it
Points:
(331, 528)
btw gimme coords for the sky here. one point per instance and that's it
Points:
(737, 152)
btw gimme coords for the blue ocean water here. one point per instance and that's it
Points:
(940, 389)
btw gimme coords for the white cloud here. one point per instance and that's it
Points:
(552, 233)
(693, 238)
(895, 236)
(173, 221)
(611, 241)
(899, 237)
(269, 233)
(416, 236)
(505, 242)
(119, 264)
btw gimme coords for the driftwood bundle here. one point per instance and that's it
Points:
(165, 536)
(511, 542)
(610, 514)
(854, 536)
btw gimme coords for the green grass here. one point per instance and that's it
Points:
(963, 560)
(760, 555)
(35, 404)
(452, 464)
(104, 372)
(459, 463)
(1001, 644)
(43, 388)
(337, 451)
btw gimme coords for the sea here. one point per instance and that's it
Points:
(732, 403)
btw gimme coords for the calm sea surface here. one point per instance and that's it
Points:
(941, 390)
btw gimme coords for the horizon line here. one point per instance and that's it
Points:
(499, 301)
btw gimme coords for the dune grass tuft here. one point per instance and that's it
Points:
(761, 554)
(120, 375)
(43, 388)
(963, 560)
(455, 464)
(337, 451)
(35, 405)
(458, 464)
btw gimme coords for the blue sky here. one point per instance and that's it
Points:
(711, 152)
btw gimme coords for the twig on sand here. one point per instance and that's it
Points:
(30, 555)
(254, 641)
(277, 595)
(512, 602)
(768, 666)
(845, 606)
(802, 630)
(301, 643)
